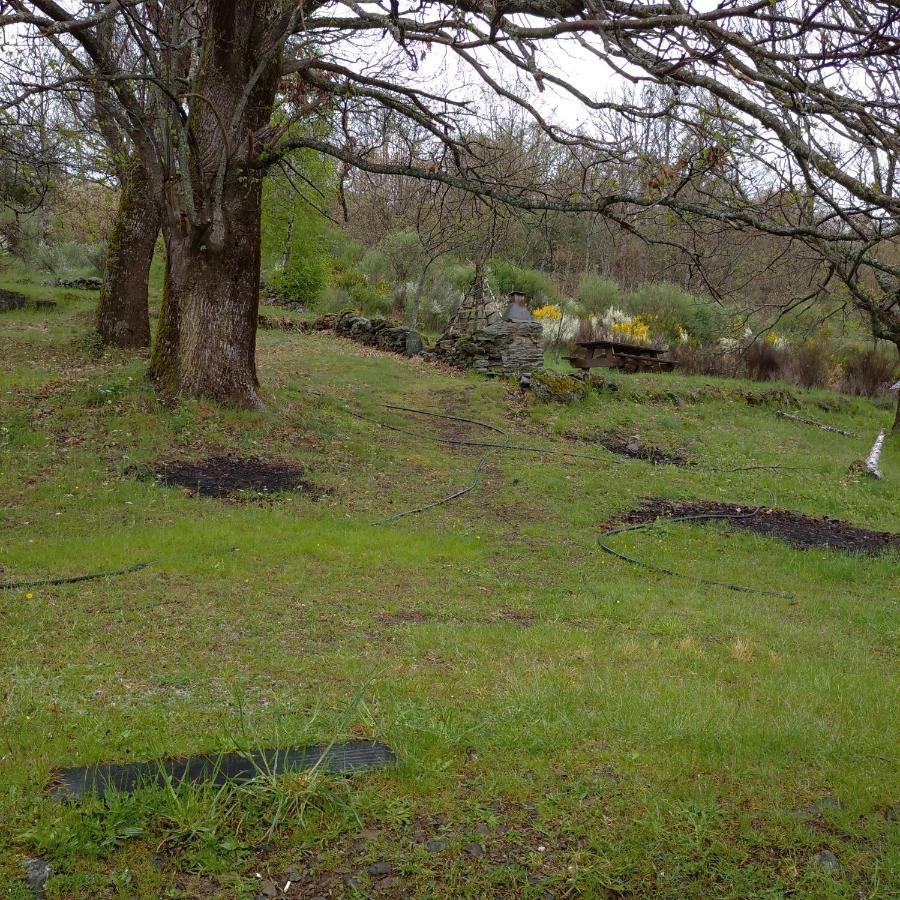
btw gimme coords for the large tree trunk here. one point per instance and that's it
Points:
(206, 342)
(123, 318)
(216, 292)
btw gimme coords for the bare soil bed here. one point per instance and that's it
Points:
(228, 476)
(630, 448)
(635, 450)
(793, 528)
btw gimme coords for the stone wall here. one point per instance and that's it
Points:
(380, 333)
(505, 348)
(11, 300)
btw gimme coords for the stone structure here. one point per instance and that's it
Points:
(479, 337)
(507, 348)
(479, 310)
(380, 333)
(11, 300)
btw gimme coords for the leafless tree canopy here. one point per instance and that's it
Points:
(777, 116)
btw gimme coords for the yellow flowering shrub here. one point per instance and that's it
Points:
(549, 312)
(635, 329)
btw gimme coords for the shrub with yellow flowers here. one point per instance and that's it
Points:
(635, 329)
(549, 312)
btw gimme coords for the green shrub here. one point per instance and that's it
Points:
(505, 276)
(672, 309)
(350, 287)
(596, 294)
(870, 371)
(303, 281)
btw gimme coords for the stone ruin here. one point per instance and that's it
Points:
(380, 333)
(481, 336)
(489, 340)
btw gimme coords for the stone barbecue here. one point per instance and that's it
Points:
(482, 338)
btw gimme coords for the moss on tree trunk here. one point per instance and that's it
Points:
(123, 318)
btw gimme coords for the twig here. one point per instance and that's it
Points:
(460, 493)
(72, 579)
(423, 412)
(815, 424)
(752, 468)
(654, 568)
(457, 442)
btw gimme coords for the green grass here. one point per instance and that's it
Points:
(599, 730)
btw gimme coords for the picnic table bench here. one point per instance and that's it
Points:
(618, 355)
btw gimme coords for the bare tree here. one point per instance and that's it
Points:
(806, 93)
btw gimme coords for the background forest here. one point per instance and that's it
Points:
(332, 239)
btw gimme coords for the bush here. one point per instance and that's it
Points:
(69, 258)
(869, 372)
(304, 279)
(351, 288)
(763, 361)
(505, 276)
(813, 363)
(673, 311)
(596, 294)
(441, 299)
(694, 358)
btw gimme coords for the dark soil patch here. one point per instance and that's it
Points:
(228, 476)
(634, 449)
(793, 528)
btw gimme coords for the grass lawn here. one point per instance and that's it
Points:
(567, 724)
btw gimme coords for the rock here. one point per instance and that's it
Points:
(11, 300)
(37, 872)
(474, 850)
(292, 874)
(45, 304)
(817, 807)
(556, 387)
(80, 284)
(632, 446)
(892, 813)
(414, 343)
(267, 889)
(825, 860)
(482, 828)
(380, 869)
(436, 845)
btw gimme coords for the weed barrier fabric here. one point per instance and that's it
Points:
(211, 768)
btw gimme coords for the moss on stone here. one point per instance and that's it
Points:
(556, 387)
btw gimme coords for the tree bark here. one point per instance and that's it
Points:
(214, 295)
(206, 342)
(123, 318)
(163, 369)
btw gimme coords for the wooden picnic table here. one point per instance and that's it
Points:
(619, 355)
